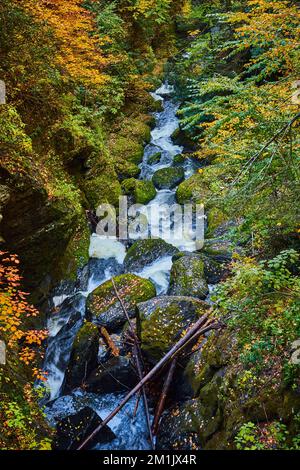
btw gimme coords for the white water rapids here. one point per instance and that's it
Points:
(107, 257)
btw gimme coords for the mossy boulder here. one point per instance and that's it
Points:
(162, 320)
(187, 426)
(104, 188)
(214, 271)
(192, 190)
(125, 147)
(184, 138)
(219, 249)
(215, 218)
(154, 159)
(83, 356)
(188, 278)
(142, 191)
(126, 169)
(104, 307)
(179, 159)
(168, 178)
(145, 252)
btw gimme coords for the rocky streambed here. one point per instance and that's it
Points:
(165, 288)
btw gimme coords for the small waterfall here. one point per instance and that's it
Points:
(106, 260)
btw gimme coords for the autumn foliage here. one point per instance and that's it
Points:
(14, 311)
(79, 47)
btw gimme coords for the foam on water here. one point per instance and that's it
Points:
(102, 248)
(158, 273)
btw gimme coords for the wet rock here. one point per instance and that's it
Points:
(145, 252)
(72, 430)
(83, 356)
(214, 271)
(219, 249)
(195, 421)
(142, 191)
(116, 375)
(192, 190)
(179, 159)
(183, 138)
(168, 178)
(187, 426)
(187, 277)
(154, 159)
(162, 320)
(104, 307)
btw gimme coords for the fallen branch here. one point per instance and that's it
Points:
(164, 360)
(137, 356)
(109, 342)
(163, 397)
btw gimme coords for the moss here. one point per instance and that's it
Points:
(125, 169)
(162, 320)
(192, 190)
(155, 158)
(215, 218)
(125, 148)
(202, 187)
(77, 253)
(179, 159)
(143, 191)
(136, 128)
(187, 277)
(144, 252)
(104, 188)
(132, 289)
(168, 178)
(160, 330)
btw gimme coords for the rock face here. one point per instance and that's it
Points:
(162, 320)
(219, 249)
(72, 430)
(187, 277)
(214, 271)
(104, 307)
(41, 231)
(168, 178)
(142, 191)
(83, 356)
(188, 426)
(154, 159)
(145, 252)
(191, 190)
(116, 375)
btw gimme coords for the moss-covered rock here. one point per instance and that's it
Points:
(102, 188)
(154, 159)
(214, 271)
(143, 191)
(126, 148)
(188, 426)
(184, 138)
(178, 159)
(83, 356)
(192, 190)
(168, 178)
(145, 252)
(188, 278)
(104, 307)
(126, 169)
(162, 320)
(219, 249)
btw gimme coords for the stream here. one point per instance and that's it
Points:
(106, 261)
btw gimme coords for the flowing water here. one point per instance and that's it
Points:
(106, 260)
